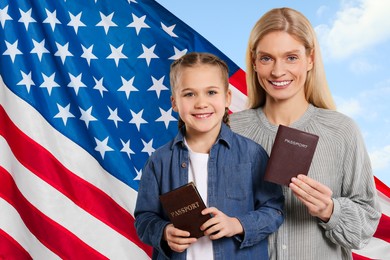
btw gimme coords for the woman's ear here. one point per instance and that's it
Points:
(310, 63)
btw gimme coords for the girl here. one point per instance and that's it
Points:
(227, 169)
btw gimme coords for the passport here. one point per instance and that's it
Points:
(183, 206)
(291, 154)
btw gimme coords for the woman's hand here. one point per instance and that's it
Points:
(178, 240)
(220, 225)
(316, 196)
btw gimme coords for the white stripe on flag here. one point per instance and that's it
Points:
(59, 208)
(238, 99)
(385, 204)
(376, 249)
(14, 226)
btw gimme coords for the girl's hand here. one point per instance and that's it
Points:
(178, 240)
(220, 225)
(316, 196)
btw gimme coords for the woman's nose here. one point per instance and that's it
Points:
(278, 69)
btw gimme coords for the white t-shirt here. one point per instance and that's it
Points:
(197, 173)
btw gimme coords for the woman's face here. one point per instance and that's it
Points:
(281, 65)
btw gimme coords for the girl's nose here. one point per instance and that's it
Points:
(201, 102)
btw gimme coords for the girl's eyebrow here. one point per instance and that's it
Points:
(186, 89)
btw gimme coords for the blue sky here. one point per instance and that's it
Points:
(355, 40)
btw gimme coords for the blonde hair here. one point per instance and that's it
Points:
(298, 26)
(191, 60)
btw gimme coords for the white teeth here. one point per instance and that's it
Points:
(203, 115)
(280, 83)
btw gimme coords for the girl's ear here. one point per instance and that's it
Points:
(173, 103)
(228, 98)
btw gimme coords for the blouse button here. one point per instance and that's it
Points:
(183, 165)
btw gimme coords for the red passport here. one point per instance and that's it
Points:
(291, 154)
(183, 207)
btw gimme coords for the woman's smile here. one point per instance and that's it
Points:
(281, 84)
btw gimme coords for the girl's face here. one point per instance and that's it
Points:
(200, 99)
(281, 65)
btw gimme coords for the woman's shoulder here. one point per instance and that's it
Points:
(243, 115)
(241, 119)
(335, 121)
(334, 116)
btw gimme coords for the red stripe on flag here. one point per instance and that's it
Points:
(359, 257)
(10, 248)
(42, 163)
(238, 80)
(60, 241)
(383, 230)
(382, 187)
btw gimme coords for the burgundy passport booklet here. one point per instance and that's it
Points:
(291, 155)
(183, 207)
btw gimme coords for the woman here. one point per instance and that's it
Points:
(334, 209)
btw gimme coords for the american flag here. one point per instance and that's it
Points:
(84, 100)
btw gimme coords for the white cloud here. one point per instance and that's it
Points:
(369, 104)
(358, 25)
(350, 107)
(361, 66)
(380, 159)
(322, 10)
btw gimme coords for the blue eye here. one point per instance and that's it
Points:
(292, 58)
(265, 59)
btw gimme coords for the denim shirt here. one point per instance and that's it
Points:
(235, 186)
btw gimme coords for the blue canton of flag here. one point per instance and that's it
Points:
(102, 69)
(85, 100)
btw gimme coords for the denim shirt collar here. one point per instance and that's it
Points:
(225, 136)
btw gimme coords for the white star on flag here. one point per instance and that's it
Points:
(64, 113)
(166, 117)
(106, 22)
(12, 50)
(52, 19)
(148, 54)
(75, 21)
(158, 86)
(25, 18)
(102, 147)
(138, 23)
(39, 49)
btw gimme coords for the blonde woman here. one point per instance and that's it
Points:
(334, 209)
